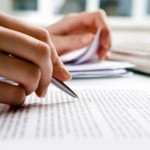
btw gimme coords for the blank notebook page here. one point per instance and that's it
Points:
(99, 114)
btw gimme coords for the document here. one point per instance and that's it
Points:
(99, 114)
(87, 54)
(86, 59)
(100, 69)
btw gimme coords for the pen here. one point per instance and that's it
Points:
(58, 83)
(62, 86)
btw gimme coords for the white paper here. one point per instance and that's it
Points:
(100, 69)
(87, 60)
(101, 74)
(100, 65)
(99, 114)
(88, 54)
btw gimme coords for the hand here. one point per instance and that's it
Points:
(75, 31)
(27, 57)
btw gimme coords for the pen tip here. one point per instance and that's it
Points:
(76, 97)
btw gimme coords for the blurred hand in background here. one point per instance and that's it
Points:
(78, 30)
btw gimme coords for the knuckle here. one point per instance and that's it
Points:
(42, 34)
(20, 95)
(43, 51)
(70, 16)
(100, 13)
(33, 76)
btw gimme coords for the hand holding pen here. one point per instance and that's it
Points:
(27, 57)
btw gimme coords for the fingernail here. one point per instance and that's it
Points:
(66, 74)
(43, 94)
(103, 55)
(87, 38)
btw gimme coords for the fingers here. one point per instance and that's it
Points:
(73, 42)
(25, 73)
(32, 44)
(38, 33)
(59, 70)
(12, 95)
(30, 49)
(15, 24)
(105, 38)
(98, 20)
(80, 23)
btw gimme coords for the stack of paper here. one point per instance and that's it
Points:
(85, 63)
(99, 69)
(133, 47)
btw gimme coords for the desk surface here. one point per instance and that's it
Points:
(135, 80)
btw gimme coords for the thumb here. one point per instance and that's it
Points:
(59, 69)
(68, 43)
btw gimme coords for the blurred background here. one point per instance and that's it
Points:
(122, 13)
(129, 21)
